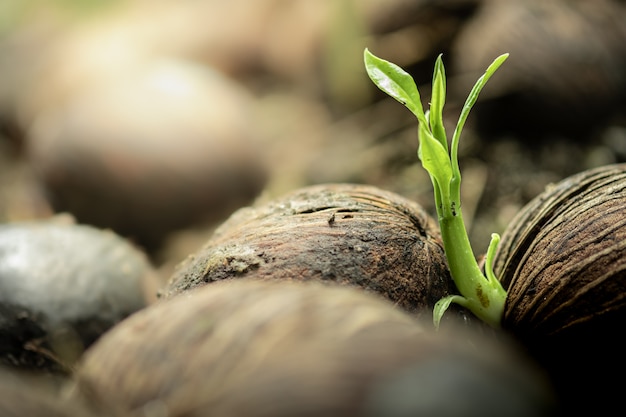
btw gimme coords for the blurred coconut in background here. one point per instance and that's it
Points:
(80, 72)
(62, 285)
(162, 148)
(565, 75)
(136, 118)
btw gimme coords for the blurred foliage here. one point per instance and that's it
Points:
(16, 12)
(344, 73)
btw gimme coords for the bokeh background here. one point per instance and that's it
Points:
(160, 118)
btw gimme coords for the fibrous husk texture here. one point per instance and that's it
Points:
(341, 233)
(563, 260)
(253, 348)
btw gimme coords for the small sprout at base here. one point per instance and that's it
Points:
(481, 293)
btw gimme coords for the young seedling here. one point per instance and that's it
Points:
(481, 293)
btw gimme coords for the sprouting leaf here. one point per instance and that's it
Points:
(435, 160)
(469, 103)
(482, 295)
(491, 255)
(396, 82)
(437, 102)
(442, 305)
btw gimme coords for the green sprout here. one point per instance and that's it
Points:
(482, 294)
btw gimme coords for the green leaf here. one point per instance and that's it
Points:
(491, 255)
(437, 102)
(396, 82)
(469, 103)
(442, 305)
(436, 162)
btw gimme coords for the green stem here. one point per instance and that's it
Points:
(483, 297)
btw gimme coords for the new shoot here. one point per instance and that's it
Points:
(482, 294)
